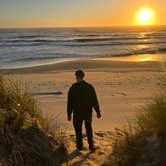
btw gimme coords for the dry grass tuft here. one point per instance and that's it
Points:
(25, 139)
(144, 143)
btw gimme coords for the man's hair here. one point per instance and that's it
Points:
(79, 73)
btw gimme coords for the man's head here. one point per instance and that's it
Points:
(79, 75)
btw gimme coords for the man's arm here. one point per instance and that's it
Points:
(69, 105)
(96, 104)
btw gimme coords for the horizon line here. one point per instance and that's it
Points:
(112, 26)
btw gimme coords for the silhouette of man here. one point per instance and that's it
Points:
(81, 101)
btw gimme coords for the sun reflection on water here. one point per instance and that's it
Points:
(139, 58)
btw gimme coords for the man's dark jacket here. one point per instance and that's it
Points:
(82, 99)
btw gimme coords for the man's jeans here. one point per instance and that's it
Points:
(77, 122)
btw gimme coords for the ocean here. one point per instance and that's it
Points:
(31, 47)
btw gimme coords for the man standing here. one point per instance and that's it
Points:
(81, 100)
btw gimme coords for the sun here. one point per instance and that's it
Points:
(145, 16)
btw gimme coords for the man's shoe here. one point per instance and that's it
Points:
(92, 149)
(80, 148)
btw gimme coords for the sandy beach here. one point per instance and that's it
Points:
(122, 88)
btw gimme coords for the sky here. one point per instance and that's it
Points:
(77, 13)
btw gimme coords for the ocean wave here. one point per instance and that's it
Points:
(71, 44)
(28, 36)
(138, 52)
(107, 39)
(161, 33)
(29, 46)
(19, 45)
(91, 41)
(27, 59)
(46, 56)
(82, 39)
(31, 41)
(59, 56)
(115, 44)
(122, 38)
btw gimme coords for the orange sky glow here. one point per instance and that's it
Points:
(80, 13)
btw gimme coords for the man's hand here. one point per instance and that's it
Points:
(69, 118)
(98, 116)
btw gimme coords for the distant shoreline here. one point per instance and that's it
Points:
(90, 64)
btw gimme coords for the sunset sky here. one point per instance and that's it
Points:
(76, 13)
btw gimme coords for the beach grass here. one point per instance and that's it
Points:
(27, 138)
(142, 142)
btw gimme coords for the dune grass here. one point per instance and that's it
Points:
(26, 137)
(143, 142)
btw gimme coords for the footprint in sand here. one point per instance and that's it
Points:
(86, 158)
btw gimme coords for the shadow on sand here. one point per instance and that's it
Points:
(77, 153)
(47, 93)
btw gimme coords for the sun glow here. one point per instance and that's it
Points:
(145, 16)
